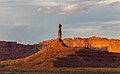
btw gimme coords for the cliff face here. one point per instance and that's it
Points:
(12, 50)
(55, 55)
(95, 43)
(110, 45)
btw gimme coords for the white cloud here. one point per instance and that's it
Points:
(66, 6)
(109, 1)
(63, 8)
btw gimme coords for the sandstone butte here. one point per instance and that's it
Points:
(79, 52)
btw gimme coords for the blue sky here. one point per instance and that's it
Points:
(32, 21)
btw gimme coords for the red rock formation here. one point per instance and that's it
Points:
(110, 45)
(59, 40)
(12, 50)
(96, 43)
(59, 33)
(79, 52)
(54, 56)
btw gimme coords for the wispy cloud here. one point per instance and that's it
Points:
(64, 6)
(70, 6)
(100, 28)
(63, 10)
(16, 23)
(109, 1)
(109, 22)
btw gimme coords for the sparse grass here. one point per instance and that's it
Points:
(20, 70)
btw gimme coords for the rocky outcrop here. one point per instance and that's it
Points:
(53, 55)
(59, 39)
(12, 50)
(110, 45)
(95, 43)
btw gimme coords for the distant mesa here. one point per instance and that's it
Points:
(14, 50)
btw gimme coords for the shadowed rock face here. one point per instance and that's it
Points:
(89, 58)
(12, 50)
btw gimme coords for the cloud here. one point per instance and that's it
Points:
(63, 10)
(64, 6)
(108, 29)
(115, 3)
(70, 6)
(110, 22)
(109, 1)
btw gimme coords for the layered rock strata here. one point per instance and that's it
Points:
(110, 45)
(13, 50)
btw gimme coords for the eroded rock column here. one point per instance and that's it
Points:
(59, 33)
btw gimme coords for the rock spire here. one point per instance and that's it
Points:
(59, 33)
